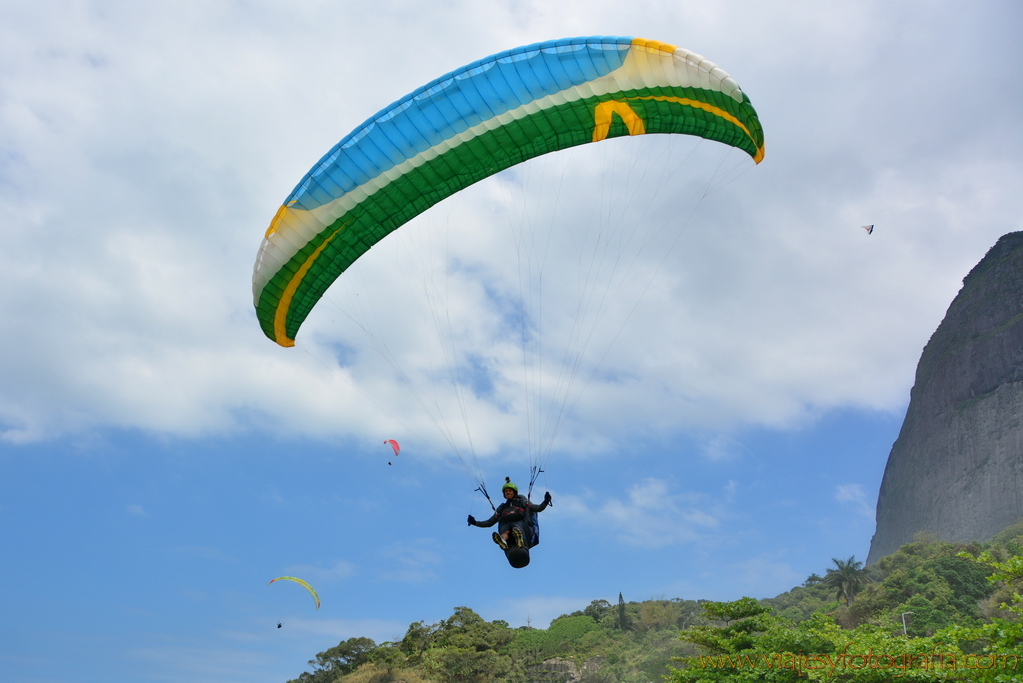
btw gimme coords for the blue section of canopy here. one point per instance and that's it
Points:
(453, 103)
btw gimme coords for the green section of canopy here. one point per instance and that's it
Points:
(288, 296)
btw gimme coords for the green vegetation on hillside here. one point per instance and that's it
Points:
(466, 648)
(959, 626)
(960, 602)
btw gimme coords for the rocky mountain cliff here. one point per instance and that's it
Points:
(957, 467)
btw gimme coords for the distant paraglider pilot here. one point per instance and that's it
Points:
(514, 517)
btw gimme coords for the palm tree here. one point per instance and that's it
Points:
(846, 578)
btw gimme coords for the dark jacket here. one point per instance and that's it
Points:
(510, 512)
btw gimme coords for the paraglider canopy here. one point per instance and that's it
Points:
(470, 124)
(301, 583)
(394, 445)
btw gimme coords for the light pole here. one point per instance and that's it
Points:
(904, 622)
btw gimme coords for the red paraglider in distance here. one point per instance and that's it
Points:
(394, 445)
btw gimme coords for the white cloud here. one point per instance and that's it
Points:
(721, 447)
(652, 516)
(142, 158)
(853, 495)
(413, 561)
(136, 510)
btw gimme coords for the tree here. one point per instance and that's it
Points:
(388, 656)
(846, 578)
(1002, 637)
(742, 618)
(463, 647)
(623, 617)
(656, 615)
(812, 580)
(597, 609)
(341, 659)
(754, 645)
(466, 629)
(418, 638)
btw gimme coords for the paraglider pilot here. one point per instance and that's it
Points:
(514, 518)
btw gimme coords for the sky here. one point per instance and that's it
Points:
(721, 423)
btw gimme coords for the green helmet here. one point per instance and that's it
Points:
(509, 485)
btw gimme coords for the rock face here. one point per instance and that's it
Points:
(957, 467)
(561, 670)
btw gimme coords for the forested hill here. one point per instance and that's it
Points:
(929, 596)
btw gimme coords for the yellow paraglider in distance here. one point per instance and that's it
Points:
(301, 583)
